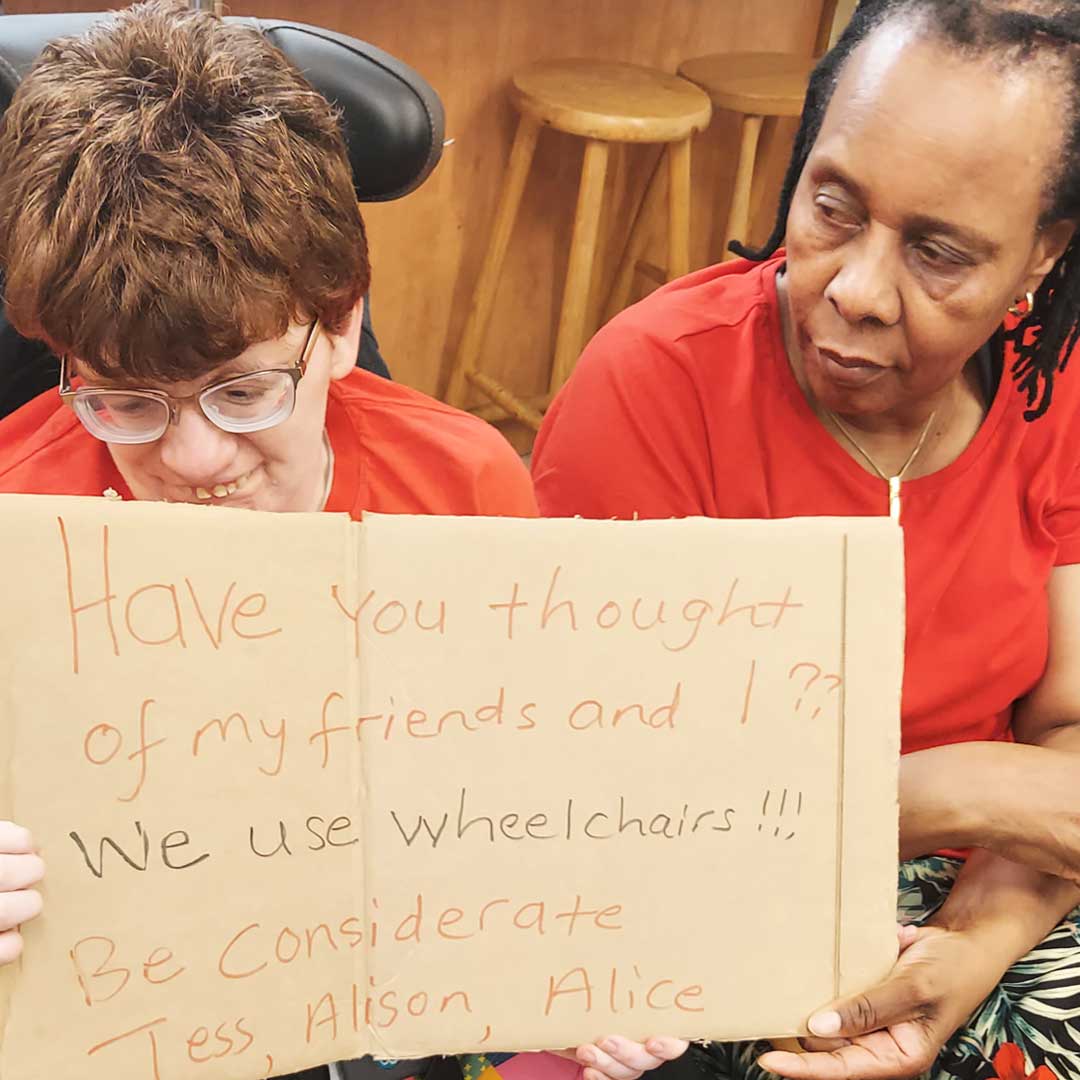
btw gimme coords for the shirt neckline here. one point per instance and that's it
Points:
(348, 460)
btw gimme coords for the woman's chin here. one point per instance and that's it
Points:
(848, 398)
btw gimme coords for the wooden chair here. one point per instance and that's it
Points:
(761, 87)
(602, 103)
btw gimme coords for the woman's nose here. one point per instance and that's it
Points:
(195, 450)
(865, 288)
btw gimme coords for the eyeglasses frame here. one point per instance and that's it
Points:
(296, 371)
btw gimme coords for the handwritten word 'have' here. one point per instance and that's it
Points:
(161, 612)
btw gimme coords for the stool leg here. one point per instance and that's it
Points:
(640, 234)
(678, 155)
(483, 297)
(575, 304)
(739, 217)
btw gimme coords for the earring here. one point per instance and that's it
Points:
(1015, 309)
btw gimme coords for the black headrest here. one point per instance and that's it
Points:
(391, 118)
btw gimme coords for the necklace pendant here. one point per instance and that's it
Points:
(892, 481)
(894, 497)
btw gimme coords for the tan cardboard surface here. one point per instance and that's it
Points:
(432, 785)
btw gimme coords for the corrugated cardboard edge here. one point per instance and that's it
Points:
(866, 941)
(10, 972)
(363, 868)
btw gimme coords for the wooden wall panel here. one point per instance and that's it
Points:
(426, 249)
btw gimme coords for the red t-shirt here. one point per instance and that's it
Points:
(396, 451)
(686, 405)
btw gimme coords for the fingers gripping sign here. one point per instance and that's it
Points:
(896, 1029)
(618, 1058)
(20, 868)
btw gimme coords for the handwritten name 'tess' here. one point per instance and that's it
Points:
(182, 614)
(104, 970)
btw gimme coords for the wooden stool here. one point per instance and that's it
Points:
(761, 86)
(603, 103)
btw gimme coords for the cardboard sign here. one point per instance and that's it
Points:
(309, 789)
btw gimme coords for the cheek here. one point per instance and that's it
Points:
(275, 447)
(804, 235)
(811, 265)
(309, 414)
(806, 281)
(936, 355)
(138, 461)
(944, 335)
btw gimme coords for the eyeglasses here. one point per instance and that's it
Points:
(254, 401)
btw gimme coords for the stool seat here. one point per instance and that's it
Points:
(760, 88)
(755, 83)
(612, 101)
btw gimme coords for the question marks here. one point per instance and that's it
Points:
(836, 682)
(831, 682)
(815, 675)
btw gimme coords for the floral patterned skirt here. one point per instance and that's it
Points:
(1029, 1026)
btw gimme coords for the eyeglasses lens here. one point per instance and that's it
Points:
(119, 417)
(251, 402)
(247, 403)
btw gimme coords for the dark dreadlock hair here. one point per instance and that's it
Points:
(1025, 30)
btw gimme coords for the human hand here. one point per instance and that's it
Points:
(20, 867)
(616, 1058)
(897, 1029)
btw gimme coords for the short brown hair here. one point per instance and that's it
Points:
(173, 191)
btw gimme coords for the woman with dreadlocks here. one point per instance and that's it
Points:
(906, 353)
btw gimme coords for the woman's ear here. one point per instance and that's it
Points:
(1051, 245)
(346, 345)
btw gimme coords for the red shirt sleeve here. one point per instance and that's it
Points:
(1063, 522)
(626, 436)
(504, 488)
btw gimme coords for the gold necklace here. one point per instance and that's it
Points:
(892, 481)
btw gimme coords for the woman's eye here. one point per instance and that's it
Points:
(250, 393)
(835, 212)
(938, 258)
(129, 408)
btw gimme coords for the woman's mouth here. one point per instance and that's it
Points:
(849, 371)
(218, 492)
